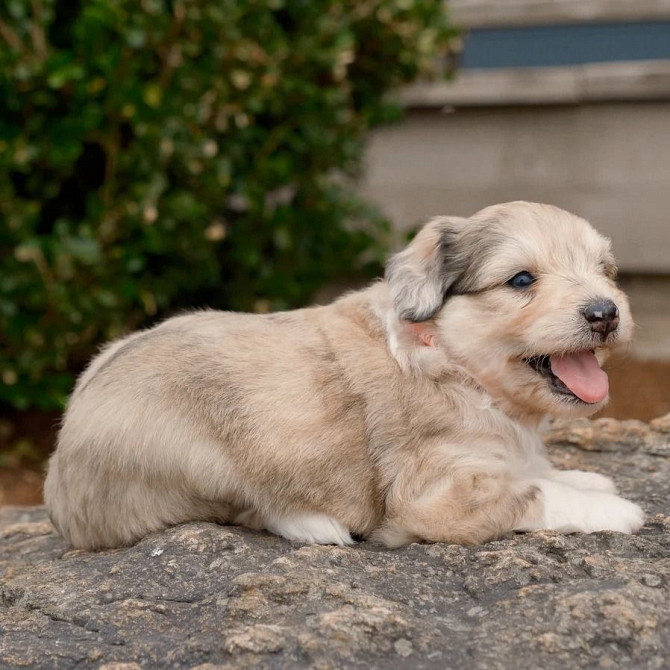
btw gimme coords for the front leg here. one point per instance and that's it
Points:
(473, 507)
(585, 481)
(568, 509)
(462, 507)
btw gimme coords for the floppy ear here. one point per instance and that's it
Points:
(420, 275)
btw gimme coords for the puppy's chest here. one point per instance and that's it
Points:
(454, 417)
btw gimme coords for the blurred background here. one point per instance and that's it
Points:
(158, 155)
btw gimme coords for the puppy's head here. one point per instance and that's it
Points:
(521, 295)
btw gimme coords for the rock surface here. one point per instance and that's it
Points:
(205, 596)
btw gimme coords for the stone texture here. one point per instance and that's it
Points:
(212, 598)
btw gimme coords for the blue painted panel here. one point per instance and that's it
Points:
(566, 45)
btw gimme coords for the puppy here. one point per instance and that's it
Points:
(407, 411)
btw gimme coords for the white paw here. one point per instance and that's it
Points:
(310, 528)
(609, 512)
(570, 510)
(586, 481)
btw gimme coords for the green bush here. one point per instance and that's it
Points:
(157, 154)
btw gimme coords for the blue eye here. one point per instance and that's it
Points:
(521, 280)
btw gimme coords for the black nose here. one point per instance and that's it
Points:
(603, 315)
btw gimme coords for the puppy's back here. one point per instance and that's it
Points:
(108, 483)
(201, 417)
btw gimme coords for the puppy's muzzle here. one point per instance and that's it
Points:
(603, 316)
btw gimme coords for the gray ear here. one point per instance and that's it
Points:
(420, 275)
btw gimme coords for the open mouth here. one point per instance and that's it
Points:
(575, 376)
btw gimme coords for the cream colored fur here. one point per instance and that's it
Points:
(401, 412)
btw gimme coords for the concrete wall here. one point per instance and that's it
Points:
(607, 162)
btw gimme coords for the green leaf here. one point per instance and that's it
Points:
(158, 156)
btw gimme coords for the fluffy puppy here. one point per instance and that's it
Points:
(406, 411)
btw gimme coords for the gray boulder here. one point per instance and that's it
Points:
(206, 596)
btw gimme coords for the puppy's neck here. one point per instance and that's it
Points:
(530, 419)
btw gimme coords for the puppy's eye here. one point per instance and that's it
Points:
(521, 280)
(610, 270)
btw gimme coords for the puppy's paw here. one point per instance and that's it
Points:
(569, 510)
(615, 513)
(585, 481)
(310, 528)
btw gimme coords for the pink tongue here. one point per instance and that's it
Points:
(581, 373)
